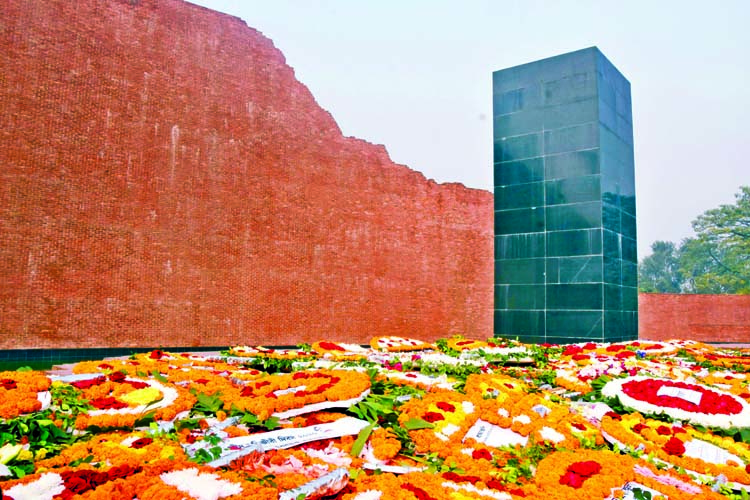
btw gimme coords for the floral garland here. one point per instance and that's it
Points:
(287, 395)
(119, 448)
(20, 393)
(449, 416)
(196, 483)
(459, 343)
(417, 379)
(339, 351)
(680, 400)
(67, 483)
(420, 486)
(119, 401)
(398, 344)
(260, 351)
(601, 474)
(699, 452)
(724, 360)
(501, 388)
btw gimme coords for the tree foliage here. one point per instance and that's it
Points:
(716, 260)
(659, 272)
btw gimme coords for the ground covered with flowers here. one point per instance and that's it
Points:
(399, 419)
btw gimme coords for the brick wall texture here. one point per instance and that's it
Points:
(706, 318)
(166, 181)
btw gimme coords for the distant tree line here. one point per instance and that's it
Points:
(716, 260)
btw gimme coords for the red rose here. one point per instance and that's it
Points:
(122, 471)
(85, 384)
(571, 350)
(572, 479)
(330, 346)
(579, 472)
(432, 417)
(637, 428)
(580, 357)
(481, 453)
(418, 492)
(497, 485)
(451, 476)
(136, 384)
(156, 354)
(615, 348)
(77, 485)
(446, 406)
(624, 354)
(8, 384)
(587, 468)
(107, 403)
(674, 446)
(81, 481)
(141, 443)
(663, 430)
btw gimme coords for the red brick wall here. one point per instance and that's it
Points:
(706, 318)
(167, 181)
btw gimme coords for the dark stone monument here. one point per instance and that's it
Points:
(565, 231)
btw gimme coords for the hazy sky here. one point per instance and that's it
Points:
(416, 76)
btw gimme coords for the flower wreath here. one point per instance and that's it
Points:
(290, 394)
(119, 448)
(201, 483)
(449, 416)
(398, 344)
(339, 350)
(724, 360)
(459, 343)
(67, 482)
(119, 400)
(244, 351)
(603, 474)
(683, 401)
(22, 392)
(418, 379)
(419, 486)
(497, 386)
(686, 447)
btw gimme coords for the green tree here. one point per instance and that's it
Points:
(717, 260)
(659, 272)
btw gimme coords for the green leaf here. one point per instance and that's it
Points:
(362, 438)
(158, 376)
(207, 404)
(417, 423)
(86, 460)
(744, 435)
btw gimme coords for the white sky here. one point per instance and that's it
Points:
(415, 75)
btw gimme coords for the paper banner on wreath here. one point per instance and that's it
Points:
(234, 448)
(494, 436)
(325, 405)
